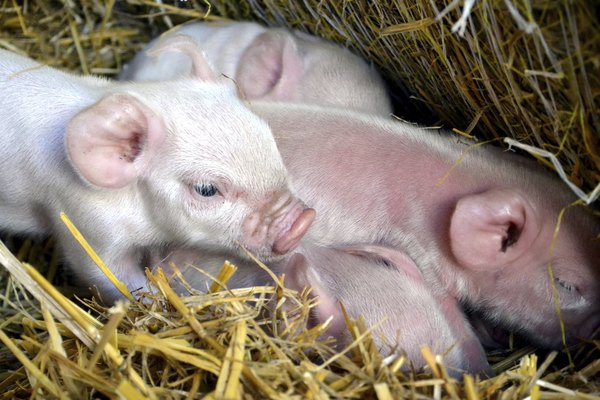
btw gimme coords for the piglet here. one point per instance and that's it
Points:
(139, 164)
(383, 287)
(391, 290)
(275, 64)
(480, 229)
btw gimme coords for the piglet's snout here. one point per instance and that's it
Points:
(278, 226)
(289, 240)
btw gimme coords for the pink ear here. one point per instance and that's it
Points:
(492, 229)
(185, 45)
(270, 66)
(109, 142)
(300, 275)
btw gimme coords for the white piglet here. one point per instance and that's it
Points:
(139, 164)
(274, 64)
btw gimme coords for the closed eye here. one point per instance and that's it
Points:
(569, 287)
(570, 296)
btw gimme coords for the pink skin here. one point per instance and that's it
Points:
(291, 237)
(394, 294)
(283, 222)
(481, 237)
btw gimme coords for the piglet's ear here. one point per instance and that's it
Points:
(299, 275)
(492, 229)
(184, 44)
(110, 142)
(270, 66)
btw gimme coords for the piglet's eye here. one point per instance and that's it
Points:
(206, 189)
(569, 287)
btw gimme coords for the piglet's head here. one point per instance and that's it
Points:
(504, 240)
(384, 286)
(202, 166)
(297, 67)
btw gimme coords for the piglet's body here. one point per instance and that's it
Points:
(132, 167)
(482, 236)
(273, 64)
(387, 291)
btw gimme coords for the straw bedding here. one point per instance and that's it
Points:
(527, 70)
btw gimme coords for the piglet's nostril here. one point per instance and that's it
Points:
(291, 239)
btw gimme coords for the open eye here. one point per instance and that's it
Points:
(206, 189)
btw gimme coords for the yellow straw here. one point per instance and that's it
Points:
(88, 249)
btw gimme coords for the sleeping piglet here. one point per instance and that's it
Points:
(390, 291)
(139, 164)
(481, 231)
(274, 64)
(480, 234)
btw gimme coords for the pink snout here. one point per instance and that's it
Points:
(278, 227)
(289, 240)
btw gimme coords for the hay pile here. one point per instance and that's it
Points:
(506, 76)
(222, 345)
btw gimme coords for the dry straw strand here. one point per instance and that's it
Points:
(94, 256)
